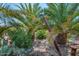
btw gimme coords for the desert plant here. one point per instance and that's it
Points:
(14, 51)
(63, 18)
(28, 15)
(41, 34)
(21, 38)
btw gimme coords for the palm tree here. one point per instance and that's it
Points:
(2, 19)
(27, 15)
(6, 22)
(3, 27)
(31, 12)
(63, 18)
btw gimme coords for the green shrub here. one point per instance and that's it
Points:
(14, 51)
(21, 38)
(6, 51)
(41, 34)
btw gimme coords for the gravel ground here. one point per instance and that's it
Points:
(41, 48)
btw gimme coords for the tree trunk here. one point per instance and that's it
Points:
(50, 39)
(52, 44)
(33, 36)
(61, 38)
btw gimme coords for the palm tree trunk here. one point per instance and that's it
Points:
(61, 38)
(49, 30)
(33, 36)
(32, 32)
(50, 39)
(0, 44)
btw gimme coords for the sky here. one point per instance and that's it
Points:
(43, 5)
